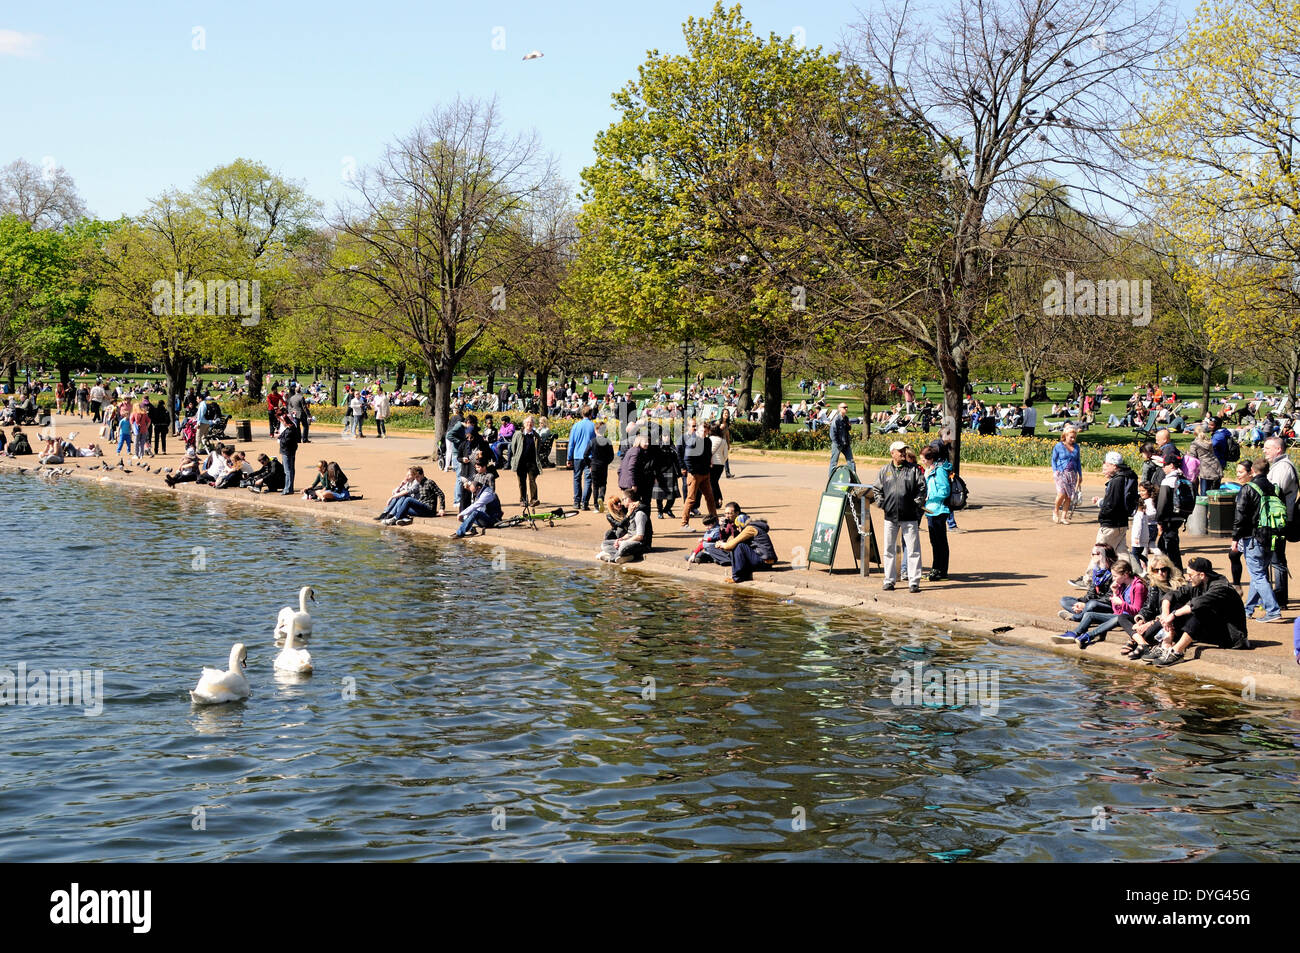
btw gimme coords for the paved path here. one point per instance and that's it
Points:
(1009, 562)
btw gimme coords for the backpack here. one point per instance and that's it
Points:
(1231, 448)
(1186, 498)
(1272, 516)
(957, 495)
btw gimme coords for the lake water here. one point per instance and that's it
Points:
(561, 712)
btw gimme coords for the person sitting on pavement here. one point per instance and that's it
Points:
(747, 549)
(426, 499)
(1207, 609)
(269, 477)
(1127, 597)
(483, 510)
(637, 538)
(187, 472)
(1097, 596)
(331, 484)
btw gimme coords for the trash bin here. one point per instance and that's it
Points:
(1198, 522)
(1221, 506)
(562, 454)
(244, 431)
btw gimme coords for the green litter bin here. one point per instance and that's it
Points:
(1198, 522)
(1221, 506)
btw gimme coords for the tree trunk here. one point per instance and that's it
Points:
(13, 376)
(441, 403)
(1205, 387)
(65, 374)
(543, 381)
(772, 392)
(176, 371)
(256, 372)
(492, 382)
(954, 372)
(746, 398)
(399, 378)
(1029, 385)
(334, 386)
(419, 384)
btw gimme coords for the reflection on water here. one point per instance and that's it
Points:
(565, 712)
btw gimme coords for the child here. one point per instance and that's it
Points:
(712, 534)
(1144, 526)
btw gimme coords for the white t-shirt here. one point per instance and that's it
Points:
(719, 457)
(381, 406)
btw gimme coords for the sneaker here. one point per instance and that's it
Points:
(379, 517)
(388, 521)
(1156, 655)
(1065, 638)
(888, 587)
(1066, 615)
(1171, 658)
(914, 587)
(625, 559)
(405, 521)
(1080, 583)
(1272, 618)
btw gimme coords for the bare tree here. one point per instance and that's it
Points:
(1008, 94)
(434, 242)
(44, 198)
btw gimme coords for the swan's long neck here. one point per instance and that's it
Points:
(234, 659)
(302, 598)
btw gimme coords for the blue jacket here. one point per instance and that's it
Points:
(1063, 459)
(1220, 443)
(937, 488)
(580, 437)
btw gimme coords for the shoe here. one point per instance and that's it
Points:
(603, 556)
(1272, 618)
(456, 536)
(1055, 517)
(914, 587)
(1080, 583)
(1087, 640)
(1065, 638)
(663, 515)
(1171, 658)
(388, 521)
(1065, 521)
(586, 509)
(670, 514)
(1066, 615)
(936, 576)
(624, 559)
(380, 517)
(404, 521)
(1156, 655)
(1144, 652)
(1128, 650)
(888, 587)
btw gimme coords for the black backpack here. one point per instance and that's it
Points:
(1186, 498)
(1231, 448)
(957, 494)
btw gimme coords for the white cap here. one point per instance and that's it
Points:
(897, 445)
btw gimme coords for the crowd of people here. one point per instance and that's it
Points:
(1136, 579)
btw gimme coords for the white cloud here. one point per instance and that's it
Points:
(13, 43)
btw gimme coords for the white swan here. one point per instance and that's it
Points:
(293, 659)
(216, 686)
(302, 617)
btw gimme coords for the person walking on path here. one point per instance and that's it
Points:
(1282, 474)
(289, 441)
(1254, 545)
(274, 404)
(1167, 513)
(525, 457)
(841, 438)
(938, 486)
(580, 438)
(1067, 472)
(900, 493)
(382, 404)
(698, 457)
(1117, 505)
(300, 416)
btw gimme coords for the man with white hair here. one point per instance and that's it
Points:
(1282, 474)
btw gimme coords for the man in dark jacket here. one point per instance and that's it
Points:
(1114, 509)
(900, 494)
(289, 440)
(1253, 544)
(841, 438)
(748, 549)
(526, 457)
(1207, 609)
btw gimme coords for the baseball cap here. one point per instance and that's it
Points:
(1200, 564)
(1115, 457)
(897, 445)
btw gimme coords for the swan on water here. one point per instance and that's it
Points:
(216, 686)
(302, 617)
(291, 658)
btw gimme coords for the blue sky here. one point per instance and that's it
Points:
(124, 102)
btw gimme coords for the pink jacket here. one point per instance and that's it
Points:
(1130, 602)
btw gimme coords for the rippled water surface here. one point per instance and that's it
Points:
(521, 698)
